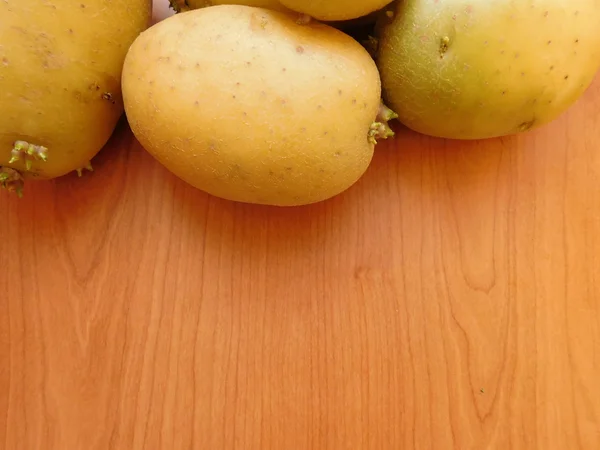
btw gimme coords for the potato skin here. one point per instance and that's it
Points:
(335, 10)
(60, 71)
(505, 68)
(269, 4)
(246, 104)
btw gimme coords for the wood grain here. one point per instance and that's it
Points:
(451, 299)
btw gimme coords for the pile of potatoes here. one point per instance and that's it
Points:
(279, 102)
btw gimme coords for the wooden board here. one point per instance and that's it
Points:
(451, 299)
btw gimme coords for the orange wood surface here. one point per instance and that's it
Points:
(449, 300)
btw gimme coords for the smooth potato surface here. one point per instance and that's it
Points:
(335, 10)
(248, 105)
(60, 71)
(486, 68)
(269, 4)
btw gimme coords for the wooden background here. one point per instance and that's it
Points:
(449, 300)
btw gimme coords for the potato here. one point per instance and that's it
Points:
(253, 107)
(470, 69)
(60, 72)
(335, 10)
(185, 5)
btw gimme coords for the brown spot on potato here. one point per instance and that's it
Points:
(444, 45)
(108, 97)
(525, 126)
(300, 49)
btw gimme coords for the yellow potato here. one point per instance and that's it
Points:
(185, 5)
(473, 69)
(252, 106)
(335, 10)
(60, 71)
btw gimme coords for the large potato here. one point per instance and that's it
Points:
(335, 10)
(249, 105)
(484, 68)
(60, 72)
